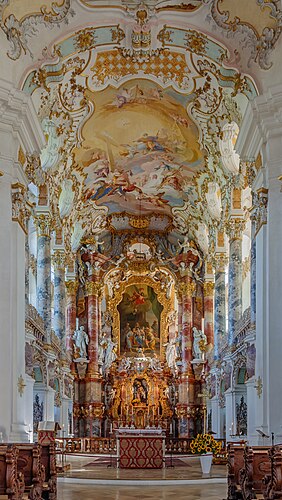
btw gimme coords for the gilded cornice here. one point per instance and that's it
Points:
(71, 287)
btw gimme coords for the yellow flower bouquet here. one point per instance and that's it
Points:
(205, 443)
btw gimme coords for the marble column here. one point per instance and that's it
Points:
(253, 271)
(187, 378)
(220, 262)
(43, 288)
(70, 318)
(93, 389)
(26, 271)
(208, 311)
(58, 259)
(234, 230)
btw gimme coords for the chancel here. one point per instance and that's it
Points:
(140, 249)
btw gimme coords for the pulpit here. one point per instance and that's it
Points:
(140, 448)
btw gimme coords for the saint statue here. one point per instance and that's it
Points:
(110, 355)
(200, 342)
(171, 354)
(81, 340)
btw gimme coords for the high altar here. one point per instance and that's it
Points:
(140, 448)
(136, 363)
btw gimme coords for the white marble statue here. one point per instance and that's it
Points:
(66, 198)
(200, 341)
(171, 354)
(110, 355)
(213, 198)
(203, 237)
(78, 232)
(81, 340)
(184, 245)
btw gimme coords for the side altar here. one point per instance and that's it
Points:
(140, 448)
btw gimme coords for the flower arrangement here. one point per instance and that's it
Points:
(205, 443)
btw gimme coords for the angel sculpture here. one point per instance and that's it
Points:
(78, 232)
(66, 198)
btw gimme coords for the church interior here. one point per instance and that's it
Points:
(140, 249)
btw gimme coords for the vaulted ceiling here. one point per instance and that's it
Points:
(141, 104)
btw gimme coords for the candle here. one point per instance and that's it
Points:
(111, 428)
(203, 324)
(170, 429)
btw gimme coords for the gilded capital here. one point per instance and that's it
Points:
(92, 288)
(71, 287)
(43, 224)
(187, 289)
(208, 288)
(59, 260)
(234, 228)
(220, 261)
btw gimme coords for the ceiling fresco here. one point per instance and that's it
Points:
(131, 133)
(140, 149)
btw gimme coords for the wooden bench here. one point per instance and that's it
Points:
(11, 481)
(273, 480)
(30, 464)
(235, 462)
(256, 467)
(48, 458)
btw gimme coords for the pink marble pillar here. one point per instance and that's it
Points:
(187, 379)
(188, 288)
(208, 311)
(93, 392)
(71, 290)
(93, 290)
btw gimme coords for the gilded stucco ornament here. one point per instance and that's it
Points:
(260, 207)
(213, 197)
(229, 157)
(19, 31)
(21, 207)
(258, 28)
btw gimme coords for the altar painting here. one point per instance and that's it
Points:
(140, 313)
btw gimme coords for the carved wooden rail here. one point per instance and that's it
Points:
(107, 446)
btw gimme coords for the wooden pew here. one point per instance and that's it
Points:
(30, 464)
(256, 466)
(48, 458)
(235, 462)
(273, 481)
(11, 481)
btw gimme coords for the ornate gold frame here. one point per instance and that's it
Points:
(164, 301)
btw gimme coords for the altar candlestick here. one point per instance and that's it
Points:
(203, 324)
(111, 428)
(170, 429)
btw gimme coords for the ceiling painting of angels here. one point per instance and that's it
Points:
(139, 149)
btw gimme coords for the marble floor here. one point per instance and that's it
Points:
(97, 492)
(109, 482)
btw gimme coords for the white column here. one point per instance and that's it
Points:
(262, 129)
(64, 420)
(47, 395)
(29, 406)
(251, 415)
(214, 403)
(18, 124)
(230, 415)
